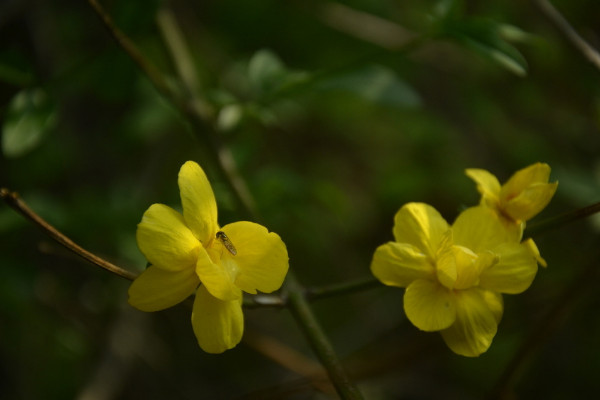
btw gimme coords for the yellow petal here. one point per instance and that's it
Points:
(458, 268)
(165, 240)
(514, 271)
(198, 201)
(446, 263)
(218, 325)
(216, 278)
(420, 225)
(477, 316)
(535, 252)
(536, 173)
(261, 258)
(529, 202)
(479, 229)
(399, 264)
(487, 185)
(429, 305)
(494, 302)
(156, 289)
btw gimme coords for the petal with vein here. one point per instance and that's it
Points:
(520, 180)
(528, 203)
(429, 305)
(156, 289)
(216, 278)
(476, 322)
(487, 185)
(467, 267)
(218, 325)
(514, 271)
(479, 229)
(198, 201)
(165, 240)
(535, 252)
(399, 264)
(262, 259)
(420, 225)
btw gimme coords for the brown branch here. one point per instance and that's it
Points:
(127, 45)
(289, 358)
(15, 202)
(194, 109)
(561, 23)
(562, 219)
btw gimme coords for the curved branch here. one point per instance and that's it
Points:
(15, 202)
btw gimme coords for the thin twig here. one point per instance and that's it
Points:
(368, 27)
(561, 23)
(14, 201)
(301, 310)
(314, 293)
(289, 358)
(184, 65)
(194, 110)
(198, 112)
(562, 219)
(132, 51)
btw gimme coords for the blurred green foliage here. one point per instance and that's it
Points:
(333, 133)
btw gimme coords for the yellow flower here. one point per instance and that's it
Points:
(190, 254)
(525, 194)
(454, 276)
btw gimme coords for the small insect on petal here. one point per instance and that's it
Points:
(226, 242)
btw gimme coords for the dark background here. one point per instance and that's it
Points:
(333, 133)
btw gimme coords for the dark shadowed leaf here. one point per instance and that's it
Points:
(374, 83)
(487, 38)
(30, 116)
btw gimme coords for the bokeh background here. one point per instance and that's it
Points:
(337, 114)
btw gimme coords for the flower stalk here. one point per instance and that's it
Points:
(318, 340)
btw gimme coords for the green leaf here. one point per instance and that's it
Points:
(267, 74)
(265, 70)
(486, 37)
(30, 116)
(445, 9)
(374, 83)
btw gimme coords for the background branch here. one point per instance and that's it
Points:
(562, 219)
(314, 293)
(561, 23)
(15, 202)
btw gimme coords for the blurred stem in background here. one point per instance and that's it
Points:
(561, 23)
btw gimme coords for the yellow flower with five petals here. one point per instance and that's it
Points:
(190, 254)
(454, 275)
